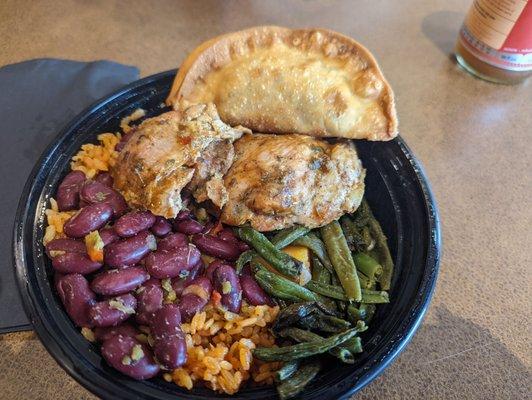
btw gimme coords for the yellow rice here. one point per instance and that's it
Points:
(93, 158)
(219, 348)
(55, 219)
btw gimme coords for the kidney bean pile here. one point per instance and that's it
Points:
(143, 255)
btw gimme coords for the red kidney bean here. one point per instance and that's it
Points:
(173, 241)
(94, 192)
(68, 191)
(207, 227)
(129, 356)
(108, 236)
(169, 340)
(104, 178)
(183, 214)
(188, 226)
(129, 251)
(252, 291)
(75, 263)
(226, 282)
(133, 222)
(57, 277)
(229, 236)
(195, 297)
(89, 218)
(171, 263)
(64, 245)
(161, 227)
(216, 247)
(209, 273)
(77, 297)
(150, 298)
(119, 281)
(102, 334)
(180, 283)
(112, 312)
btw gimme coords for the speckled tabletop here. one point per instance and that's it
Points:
(473, 138)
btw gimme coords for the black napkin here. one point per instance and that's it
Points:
(38, 98)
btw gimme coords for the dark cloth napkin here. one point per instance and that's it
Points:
(37, 99)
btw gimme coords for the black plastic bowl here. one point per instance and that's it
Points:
(396, 189)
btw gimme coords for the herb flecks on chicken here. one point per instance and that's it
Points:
(278, 181)
(168, 152)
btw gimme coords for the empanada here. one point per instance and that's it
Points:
(277, 80)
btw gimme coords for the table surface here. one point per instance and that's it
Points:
(470, 135)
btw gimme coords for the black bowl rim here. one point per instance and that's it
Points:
(53, 347)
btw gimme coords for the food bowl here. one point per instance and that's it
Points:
(396, 189)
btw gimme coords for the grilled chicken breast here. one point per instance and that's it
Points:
(278, 181)
(167, 152)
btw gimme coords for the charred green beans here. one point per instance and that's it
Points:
(303, 350)
(297, 382)
(287, 236)
(287, 370)
(279, 286)
(381, 247)
(282, 262)
(338, 293)
(332, 291)
(300, 335)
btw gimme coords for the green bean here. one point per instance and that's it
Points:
(294, 314)
(354, 345)
(286, 236)
(281, 285)
(354, 238)
(282, 262)
(365, 283)
(332, 291)
(341, 259)
(367, 265)
(341, 305)
(375, 297)
(329, 323)
(290, 388)
(281, 240)
(274, 291)
(381, 244)
(313, 242)
(319, 272)
(367, 238)
(310, 315)
(244, 258)
(368, 310)
(338, 293)
(355, 314)
(286, 371)
(303, 350)
(327, 304)
(362, 214)
(300, 335)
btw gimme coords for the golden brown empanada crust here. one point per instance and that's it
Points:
(348, 98)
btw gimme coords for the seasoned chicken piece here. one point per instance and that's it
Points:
(207, 182)
(278, 181)
(167, 152)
